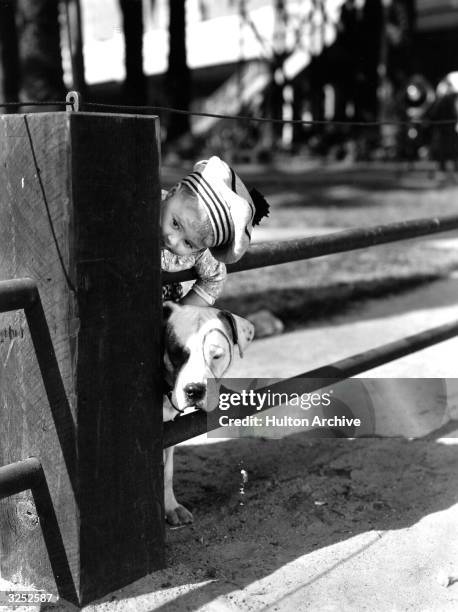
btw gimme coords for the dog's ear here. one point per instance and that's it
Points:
(167, 309)
(242, 330)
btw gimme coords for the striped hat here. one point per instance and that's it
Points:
(229, 206)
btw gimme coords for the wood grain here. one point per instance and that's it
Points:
(97, 428)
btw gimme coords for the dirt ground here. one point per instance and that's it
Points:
(318, 526)
(323, 524)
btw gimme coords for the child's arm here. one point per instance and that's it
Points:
(211, 275)
(193, 299)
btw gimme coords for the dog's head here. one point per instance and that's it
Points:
(199, 346)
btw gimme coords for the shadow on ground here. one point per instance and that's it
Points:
(302, 495)
(301, 307)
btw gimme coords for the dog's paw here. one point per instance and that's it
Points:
(178, 515)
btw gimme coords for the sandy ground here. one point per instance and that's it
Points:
(325, 523)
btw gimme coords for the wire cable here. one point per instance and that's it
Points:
(35, 103)
(272, 119)
(180, 111)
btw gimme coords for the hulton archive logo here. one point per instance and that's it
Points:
(343, 410)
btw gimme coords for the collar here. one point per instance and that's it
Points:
(167, 391)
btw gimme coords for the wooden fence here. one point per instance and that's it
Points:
(81, 391)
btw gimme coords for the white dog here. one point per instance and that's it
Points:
(198, 351)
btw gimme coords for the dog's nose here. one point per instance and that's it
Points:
(194, 391)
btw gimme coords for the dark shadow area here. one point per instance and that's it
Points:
(33, 569)
(54, 387)
(54, 543)
(301, 307)
(302, 494)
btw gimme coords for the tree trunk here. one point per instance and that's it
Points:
(178, 79)
(371, 35)
(39, 50)
(9, 57)
(135, 91)
(75, 44)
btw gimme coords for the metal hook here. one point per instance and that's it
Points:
(74, 101)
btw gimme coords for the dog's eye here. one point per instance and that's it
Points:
(216, 352)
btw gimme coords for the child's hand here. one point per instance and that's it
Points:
(192, 299)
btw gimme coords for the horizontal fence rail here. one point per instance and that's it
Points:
(271, 253)
(18, 293)
(20, 476)
(23, 294)
(195, 423)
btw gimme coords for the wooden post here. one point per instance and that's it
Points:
(79, 213)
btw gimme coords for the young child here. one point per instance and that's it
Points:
(206, 222)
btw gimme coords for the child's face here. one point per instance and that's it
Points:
(181, 223)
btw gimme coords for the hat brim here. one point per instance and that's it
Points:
(241, 209)
(241, 214)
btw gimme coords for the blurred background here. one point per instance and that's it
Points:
(311, 60)
(372, 85)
